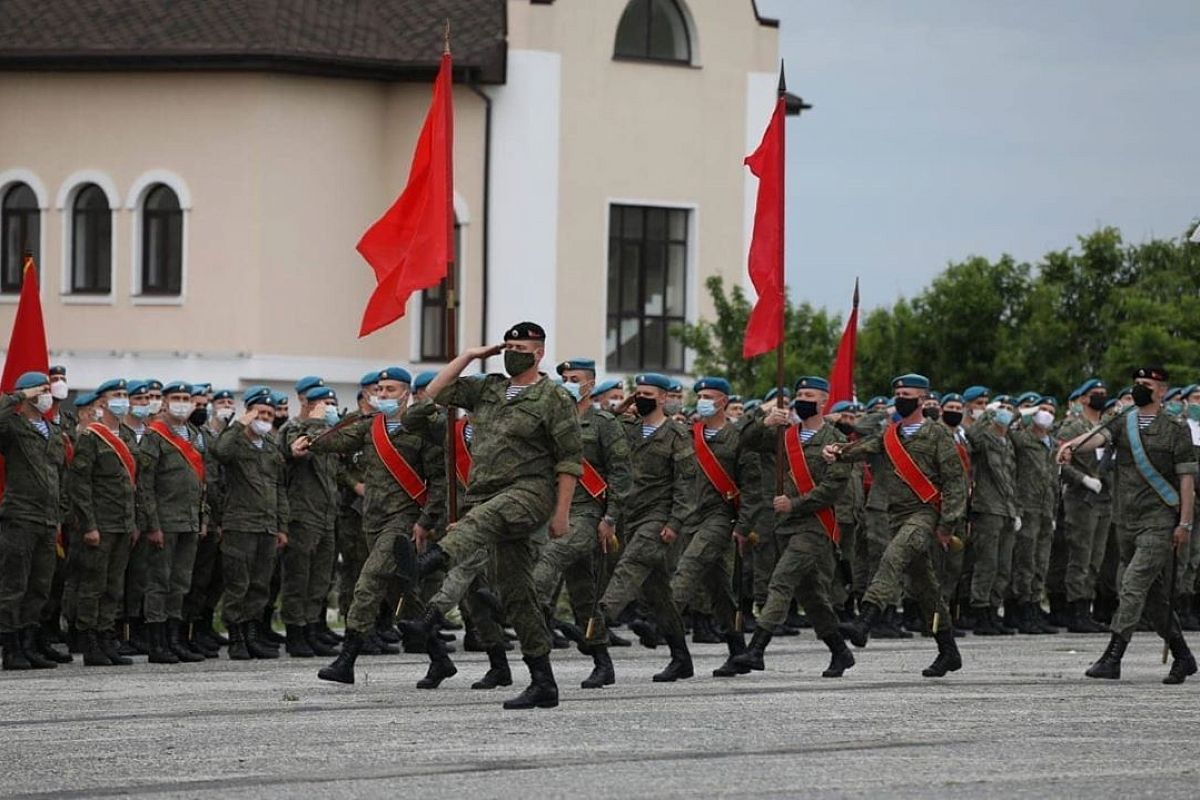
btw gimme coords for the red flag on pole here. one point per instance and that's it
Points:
(764, 331)
(410, 246)
(841, 377)
(27, 344)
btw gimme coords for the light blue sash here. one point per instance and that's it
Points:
(1142, 461)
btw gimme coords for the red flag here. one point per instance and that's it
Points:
(841, 377)
(411, 245)
(27, 345)
(764, 331)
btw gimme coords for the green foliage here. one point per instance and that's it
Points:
(1100, 308)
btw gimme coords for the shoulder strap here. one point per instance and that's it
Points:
(119, 447)
(802, 477)
(1142, 461)
(400, 469)
(190, 454)
(712, 469)
(907, 469)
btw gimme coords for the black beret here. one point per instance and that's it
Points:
(525, 331)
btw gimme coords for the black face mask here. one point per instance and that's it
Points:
(199, 416)
(952, 418)
(645, 405)
(805, 408)
(1096, 402)
(844, 427)
(517, 362)
(931, 412)
(278, 422)
(906, 406)
(1143, 395)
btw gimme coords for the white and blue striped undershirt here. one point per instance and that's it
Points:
(910, 430)
(709, 433)
(182, 432)
(138, 433)
(806, 434)
(393, 426)
(468, 432)
(1144, 420)
(41, 426)
(513, 389)
(648, 430)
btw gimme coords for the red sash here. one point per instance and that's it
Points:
(908, 470)
(190, 454)
(462, 456)
(68, 449)
(963, 456)
(404, 474)
(119, 447)
(593, 484)
(802, 477)
(712, 468)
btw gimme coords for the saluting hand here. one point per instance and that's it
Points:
(247, 417)
(484, 351)
(1064, 455)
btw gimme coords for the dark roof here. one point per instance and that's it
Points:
(381, 39)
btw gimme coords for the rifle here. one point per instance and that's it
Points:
(1171, 596)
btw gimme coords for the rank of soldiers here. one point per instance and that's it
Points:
(172, 521)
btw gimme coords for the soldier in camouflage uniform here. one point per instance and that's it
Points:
(849, 511)
(1036, 498)
(931, 465)
(352, 544)
(527, 455)
(1156, 473)
(1188, 606)
(62, 414)
(145, 403)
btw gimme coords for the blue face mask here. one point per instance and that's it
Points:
(1004, 417)
(706, 407)
(140, 412)
(331, 415)
(572, 389)
(1193, 411)
(388, 406)
(1174, 408)
(118, 406)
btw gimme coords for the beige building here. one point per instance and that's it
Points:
(193, 175)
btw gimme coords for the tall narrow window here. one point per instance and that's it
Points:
(647, 287)
(20, 231)
(162, 242)
(434, 346)
(654, 30)
(91, 242)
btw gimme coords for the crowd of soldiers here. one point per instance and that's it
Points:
(143, 518)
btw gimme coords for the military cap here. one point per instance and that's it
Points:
(395, 374)
(28, 380)
(257, 395)
(735, 398)
(812, 382)
(606, 386)
(1110, 403)
(308, 382)
(277, 399)
(177, 387)
(1073, 396)
(370, 379)
(525, 332)
(320, 393)
(57, 369)
(110, 385)
(199, 389)
(975, 392)
(1125, 392)
(676, 386)
(753, 404)
(1048, 400)
(1003, 398)
(1027, 397)
(1153, 373)
(222, 394)
(840, 406)
(910, 381)
(423, 379)
(1172, 393)
(876, 400)
(138, 386)
(1089, 384)
(935, 396)
(856, 407)
(84, 399)
(951, 397)
(654, 379)
(770, 395)
(576, 363)
(1189, 390)
(715, 384)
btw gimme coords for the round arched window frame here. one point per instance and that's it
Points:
(20, 233)
(161, 269)
(654, 30)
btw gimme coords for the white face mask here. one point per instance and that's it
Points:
(44, 401)
(1043, 419)
(155, 406)
(180, 409)
(614, 404)
(98, 413)
(976, 413)
(59, 390)
(261, 427)
(225, 414)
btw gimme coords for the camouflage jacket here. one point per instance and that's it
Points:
(312, 479)
(1037, 478)
(35, 467)
(663, 473)
(994, 464)
(1168, 445)
(829, 480)
(606, 448)
(102, 496)
(741, 463)
(170, 494)
(1093, 464)
(255, 482)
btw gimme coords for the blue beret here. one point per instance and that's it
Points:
(910, 381)
(715, 384)
(223, 394)
(1172, 393)
(110, 385)
(424, 379)
(876, 400)
(28, 380)
(177, 387)
(1188, 390)
(606, 386)
(319, 393)
(1002, 398)
(676, 386)
(395, 374)
(138, 386)
(972, 393)
(1088, 385)
(812, 382)
(1126, 391)
(753, 404)
(1073, 396)
(1110, 403)
(951, 397)
(935, 396)
(308, 382)
(85, 399)
(204, 388)
(1027, 397)
(770, 395)
(576, 363)
(370, 379)
(653, 379)
(735, 398)
(1048, 400)
(256, 395)
(57, 369)
(840, 406)
(277, 399)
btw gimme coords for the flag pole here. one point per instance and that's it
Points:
(779, 401)
(451, 321)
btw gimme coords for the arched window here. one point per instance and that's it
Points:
(434, 303)
(162, 242)
(91, 241)
(655, 30)
(20, 231)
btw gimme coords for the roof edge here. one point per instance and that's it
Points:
(766, 22)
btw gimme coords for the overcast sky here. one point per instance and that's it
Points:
(947, 128)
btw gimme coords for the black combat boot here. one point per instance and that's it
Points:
(948, 659)
(752, 658)
(1184, 663)
(703, 630)
(498, 673)
(297, 642)
(197, 643)
(646, 632)
(617, 641)
(266, 634)
(440, 665)
(1060, 610)
(41, 642)
(342, 668)
(1081, 619)
(841, 659)
(542, 691)
(1001, 625)
(136, 641)
(93, 651)
(237, 642)
(433, 559)
(204, 631)
(14, 658)
(858, 632)
(1041, 619)
(569, 631)
(1011, 622)
(680, 665)
(327, 634)
(156, 638)
(736, 642)
(1109, 665)
(985, 622)
(111, 648)
(319, 645)
(177, 645)
(28, 646)
(253, 632)
(603, 673)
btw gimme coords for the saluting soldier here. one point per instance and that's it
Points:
(1036, 495)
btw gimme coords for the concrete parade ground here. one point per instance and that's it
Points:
(1020, 720)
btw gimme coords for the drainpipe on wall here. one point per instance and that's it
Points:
(487, 202)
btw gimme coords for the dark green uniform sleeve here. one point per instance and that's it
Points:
(563, 423)
(462, 393)
(871, 446)
(683, 457)
(345, 438)
(954, 486)
(616, 467)
(434, 467)
(80, 484)
(749, 481)
(147, 499)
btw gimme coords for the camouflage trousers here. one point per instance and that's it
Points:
(1146, 557)
(206, 586)
(101, 592)
(990, 552)
(137, 578)
(248, 564)
(169, 575)
(703, 569)
(1086, 537)
(501, 528)
(378, 577)
(842, 581)
(353, 550)
(870, 544)
(908, 555)
(805, 570)
(306, 566)
(763, 557)
(644, 572)
(574, 559)
(1031, 558)
(27, 564)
